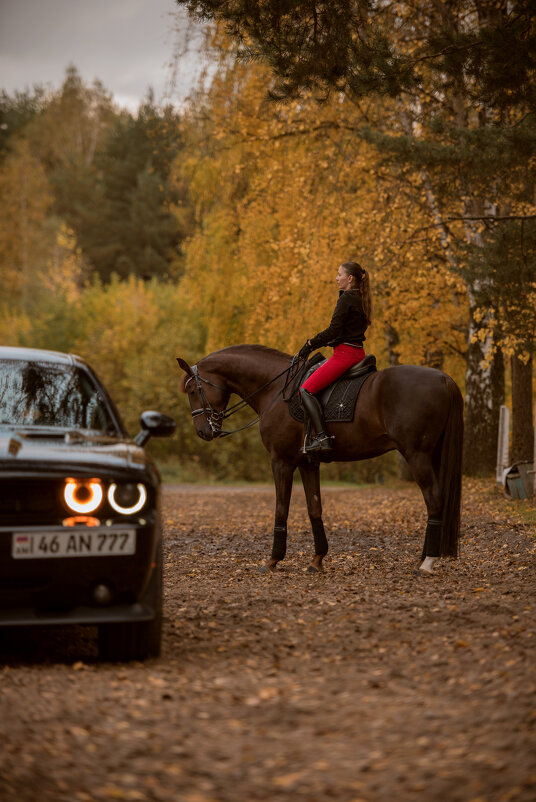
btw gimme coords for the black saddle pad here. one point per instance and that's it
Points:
(338, 399)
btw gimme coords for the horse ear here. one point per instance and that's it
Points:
(187, 372)
(185, 366)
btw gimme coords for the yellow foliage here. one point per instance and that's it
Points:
(283, 196)
(25, 199)
(129, 331)
(64, 270)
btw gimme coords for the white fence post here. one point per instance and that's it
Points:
(503, 445)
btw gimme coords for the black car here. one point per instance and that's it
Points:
(80, 525)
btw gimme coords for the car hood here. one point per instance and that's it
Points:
(67, 449)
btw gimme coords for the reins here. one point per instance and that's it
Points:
(215, 418)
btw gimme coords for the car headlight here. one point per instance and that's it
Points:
(127, 498)
(83, 495)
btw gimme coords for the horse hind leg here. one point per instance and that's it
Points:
(310, 474)
(422, 467)
(431, 546)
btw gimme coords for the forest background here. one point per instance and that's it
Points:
(133, 239)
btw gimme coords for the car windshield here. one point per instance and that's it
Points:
(47, 394)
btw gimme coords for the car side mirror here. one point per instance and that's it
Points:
(154, 424)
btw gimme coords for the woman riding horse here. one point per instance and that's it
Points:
(345, 334)
(416, 410)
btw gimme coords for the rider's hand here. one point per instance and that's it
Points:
(305, 350)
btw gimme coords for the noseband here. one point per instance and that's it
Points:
(214, 417)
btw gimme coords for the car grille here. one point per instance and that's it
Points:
(22, 500)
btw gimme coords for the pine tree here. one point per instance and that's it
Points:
(109, 172)
(141, 234)
(16, 111)
(25, 201)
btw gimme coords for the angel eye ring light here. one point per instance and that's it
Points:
(142, 498)
(83, 495)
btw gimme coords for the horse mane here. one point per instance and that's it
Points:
(245, 348)
(264, 349)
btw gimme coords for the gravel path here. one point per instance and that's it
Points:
(363, 684)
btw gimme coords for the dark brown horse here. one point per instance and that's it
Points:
(416, 410)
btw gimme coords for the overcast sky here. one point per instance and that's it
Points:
(126, 44)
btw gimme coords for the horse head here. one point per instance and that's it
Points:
(208, 399)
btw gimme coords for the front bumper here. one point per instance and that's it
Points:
(61, 590)
(114, 614)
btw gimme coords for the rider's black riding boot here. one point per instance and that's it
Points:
(313, 408)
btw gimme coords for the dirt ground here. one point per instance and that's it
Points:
(364, 684)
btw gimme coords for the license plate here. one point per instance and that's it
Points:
(72, 543)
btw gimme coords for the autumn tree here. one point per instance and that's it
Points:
(108, 171)
(25, 202)
(280, 198)
(459, 81)
(281, 193)
(73, 123)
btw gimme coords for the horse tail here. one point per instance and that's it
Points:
(450, 472)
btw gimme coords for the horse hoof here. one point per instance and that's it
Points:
(422, 573)
(270, 568)
(313, 569)
(427, 565)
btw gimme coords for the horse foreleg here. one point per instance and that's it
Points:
(283, 474)
(310, 474)
(423, 470)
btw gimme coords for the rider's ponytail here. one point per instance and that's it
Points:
(362, 284)
(366, 296)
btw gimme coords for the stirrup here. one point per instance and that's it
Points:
(321, 442)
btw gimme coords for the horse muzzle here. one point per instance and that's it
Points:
(210, 427)
(210, 430)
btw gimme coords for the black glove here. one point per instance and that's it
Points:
(304, 351)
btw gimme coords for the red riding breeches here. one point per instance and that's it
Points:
(343, 357)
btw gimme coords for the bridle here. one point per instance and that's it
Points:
(216, 417)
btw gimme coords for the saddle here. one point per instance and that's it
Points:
(339, 398)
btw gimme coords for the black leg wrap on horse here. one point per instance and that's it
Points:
(280, 542)
(432, 541)
(319, 534)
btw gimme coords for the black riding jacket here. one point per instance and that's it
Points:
(348, 324)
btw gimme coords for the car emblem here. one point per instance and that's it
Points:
(14, 446)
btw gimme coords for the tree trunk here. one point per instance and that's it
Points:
(484, 394)
(522, 428)
(434, 357)
(393, 341)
